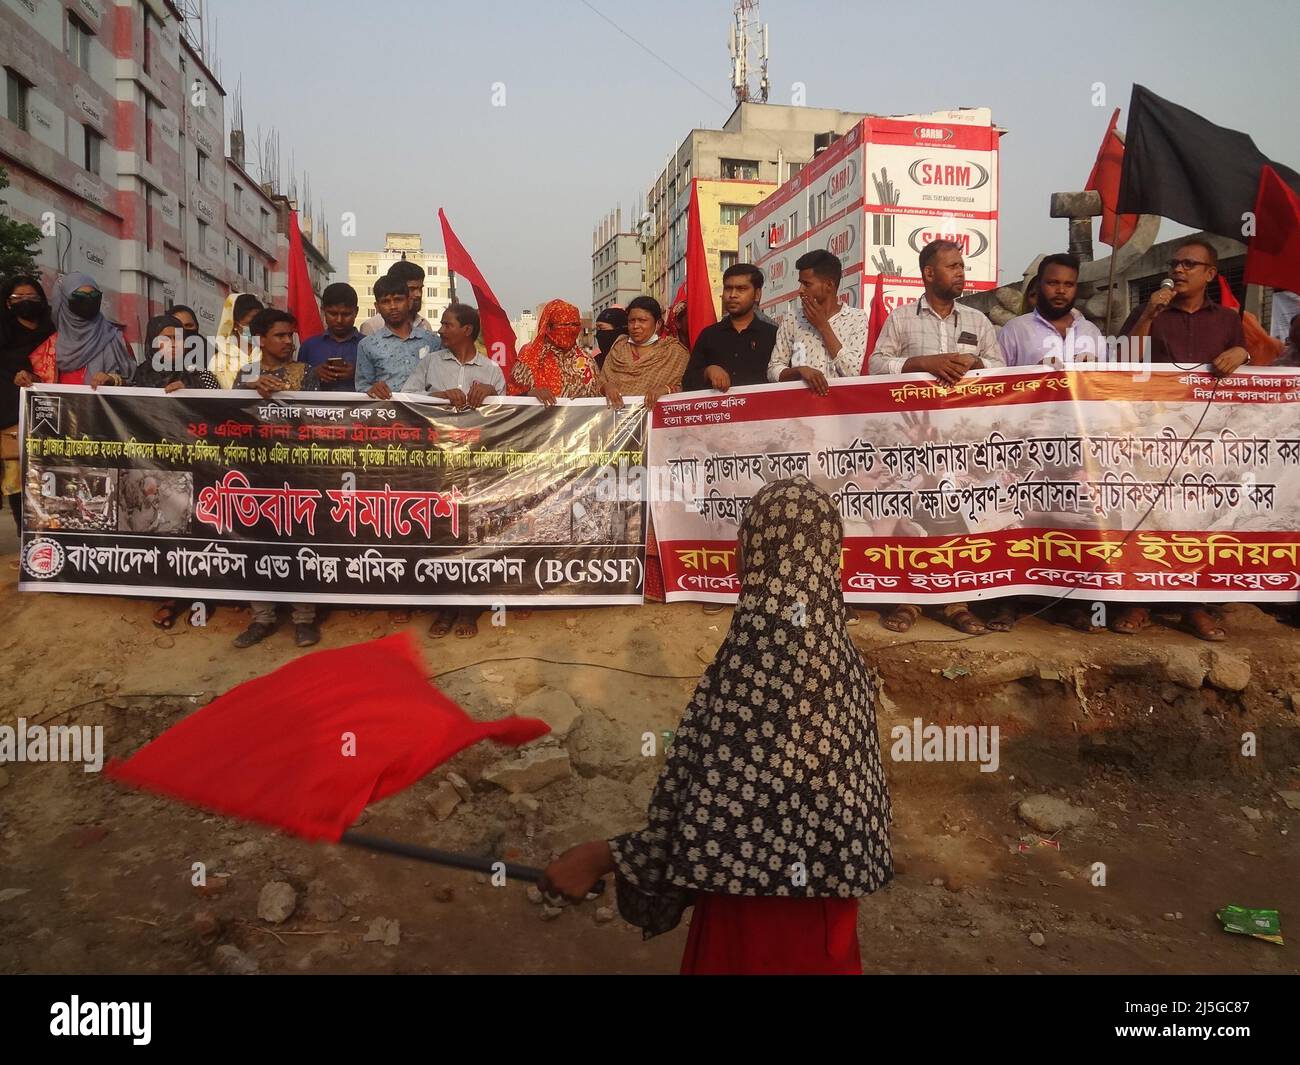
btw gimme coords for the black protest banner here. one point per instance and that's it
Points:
(330, 499)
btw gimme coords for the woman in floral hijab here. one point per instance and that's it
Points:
(552, 366)
(771, 815)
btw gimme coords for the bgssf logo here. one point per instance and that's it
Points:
(43, 558)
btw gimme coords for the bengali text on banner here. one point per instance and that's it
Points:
(1122, 482)
(314, 497)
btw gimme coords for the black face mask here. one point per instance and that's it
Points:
(605, 339)
(85, 304)
(29, 309)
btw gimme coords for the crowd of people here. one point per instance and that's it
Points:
(640, 351)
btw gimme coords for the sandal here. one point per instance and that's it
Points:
(1201, 623)
(901, 618)
(441, 624)
(165, 616)
(961, 619)
(466, 624)
(1131, 621)
(1004, 618)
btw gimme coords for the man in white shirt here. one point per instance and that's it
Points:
(935, 336)
(1053, 333)
(820, 337)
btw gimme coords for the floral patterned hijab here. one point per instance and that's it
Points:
(553, 360)
(773, 784)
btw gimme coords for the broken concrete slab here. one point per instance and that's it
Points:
(553, 706)
(531, 772)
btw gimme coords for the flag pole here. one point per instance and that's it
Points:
(448, 858)
(1110, 286)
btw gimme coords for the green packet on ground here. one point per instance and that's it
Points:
(1262, 924)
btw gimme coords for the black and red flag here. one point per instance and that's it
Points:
(1181, 166)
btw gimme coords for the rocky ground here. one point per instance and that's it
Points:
(1120, 751)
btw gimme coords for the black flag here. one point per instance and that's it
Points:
(1179, 166)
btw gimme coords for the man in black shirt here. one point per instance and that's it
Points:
(736, 350)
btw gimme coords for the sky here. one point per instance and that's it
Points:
(390, 106)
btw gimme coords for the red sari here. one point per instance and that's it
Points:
(741, 935)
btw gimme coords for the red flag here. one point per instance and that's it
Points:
(875, 323)
(307, 747)
(301, 298)
(495, 323)
(1226, 298)
(700, 311)
(1273, 253)
(1116, 229)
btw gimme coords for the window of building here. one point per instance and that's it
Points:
(203, 237)
(239, 260)
(266, 278)
(371, 268)
(201, 163)
(16, 98)
(730, 214)
(79, 37)
(430, 292)
(740, 169)
(266, 219)
(239, 198)
(150, 117)
(726, 259)
(148, 48)
(431, 270)
(92, 143)
(148, 217)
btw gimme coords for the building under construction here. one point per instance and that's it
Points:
(116, 141)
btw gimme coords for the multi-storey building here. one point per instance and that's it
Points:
(617, 273)
(114, 139)
(366, 267)
(759, 142)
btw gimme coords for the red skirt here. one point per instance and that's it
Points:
(735, 935)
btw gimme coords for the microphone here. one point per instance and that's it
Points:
(1168, 283)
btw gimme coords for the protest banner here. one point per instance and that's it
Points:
(329, 498)
(1123, 482)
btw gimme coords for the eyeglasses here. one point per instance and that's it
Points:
(1186, 264)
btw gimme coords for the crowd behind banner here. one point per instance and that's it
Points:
(640, 351)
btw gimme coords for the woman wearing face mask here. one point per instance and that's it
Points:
(645, 362)
(88, 349)
(235, 346)
(552, 365)
(26, 356)
(611, 324)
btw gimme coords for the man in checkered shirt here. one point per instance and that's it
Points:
(933, 335)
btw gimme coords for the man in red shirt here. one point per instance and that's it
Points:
(1181, 326)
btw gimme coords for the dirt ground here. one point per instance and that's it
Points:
(97, 879)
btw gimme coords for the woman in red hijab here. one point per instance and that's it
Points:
(552, 366)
